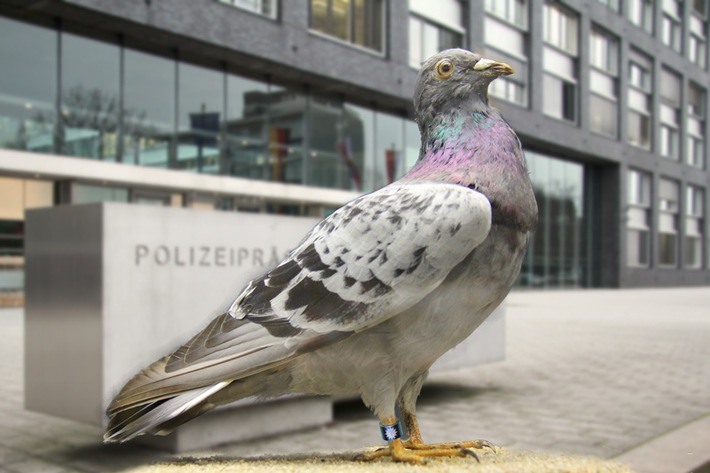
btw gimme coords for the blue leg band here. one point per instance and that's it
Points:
(391, 432)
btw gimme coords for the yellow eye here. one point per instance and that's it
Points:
(444, 69)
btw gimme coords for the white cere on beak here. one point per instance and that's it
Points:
(483, 64)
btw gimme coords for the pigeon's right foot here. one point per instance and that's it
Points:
(418, 455)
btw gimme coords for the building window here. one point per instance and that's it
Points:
(556, 255)
(514, 12)
(694, 218)
(695, 152)
(505, 28)
(610, 4)
(641, 14)
(148, 109)
(427, 38)
(640, 87)
(27, 86)
(560, 63)
(560, 29)
(669, 132)
(359, 22)
(638, 219)
(668, 196)
(603, 103)
(697, 45)
(262, 7)
(672, 32)
(200, 118)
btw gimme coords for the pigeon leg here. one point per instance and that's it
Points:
(395, 449)
(416, 453)
(410, 422)
(416, 443)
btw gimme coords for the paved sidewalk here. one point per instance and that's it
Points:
(595, 372)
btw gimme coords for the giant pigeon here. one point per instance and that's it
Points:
(377, 291)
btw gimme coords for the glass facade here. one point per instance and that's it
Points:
(506, 37)
(603, 103)
(638, 219)
(556, 255)
(90, 98)
(669, 132)
(358, 22)
(695, 146)
(560, 33)
(124, 100)
(427, 38)
(123, 105)
(694, 227)
(668, 200)
(28, 86)
(640, 86)
(148, 119)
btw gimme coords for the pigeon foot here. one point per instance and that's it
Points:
(416, 452)
(471, 444)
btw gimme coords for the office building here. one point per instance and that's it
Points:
(296, 106)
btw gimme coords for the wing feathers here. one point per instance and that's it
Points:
(371, 259)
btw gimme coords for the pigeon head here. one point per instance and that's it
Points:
(454, 79)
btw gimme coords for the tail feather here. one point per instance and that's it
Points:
(160, 417)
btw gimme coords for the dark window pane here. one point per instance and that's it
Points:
(359, 145)
(246, 133)
(90, 97)
(389, 148)
(555, 256)
(287, 115)
(84, 194)
(355, 21)
(667, 243)
(340, 16)
(331, 162)
(200, 105)
(28, 86)
(148, 108)
(319, 15)
(603, 116)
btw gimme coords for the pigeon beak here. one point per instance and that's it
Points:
(497, 68)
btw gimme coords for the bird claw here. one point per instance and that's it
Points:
(416, 452)
(470, 453)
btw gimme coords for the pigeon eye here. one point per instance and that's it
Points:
(444, 68)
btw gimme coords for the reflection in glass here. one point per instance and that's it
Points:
(555, 256)
(90, 98)
(246, 129)
(355, 21)
(86, 194)
(148, 108)
(330, 163)
(287, 114)
(359, 136)
(200, 105)
(412, 143)
(638, 219)
(389, 150)
(28, 86)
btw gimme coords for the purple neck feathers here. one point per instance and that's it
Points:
(478, 150)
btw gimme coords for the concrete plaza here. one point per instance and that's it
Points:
(609, 373)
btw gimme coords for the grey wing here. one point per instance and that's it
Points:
(373, 258)
(370, 260)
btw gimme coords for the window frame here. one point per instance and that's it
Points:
(424, 21)
(351, 22)
(273, 7)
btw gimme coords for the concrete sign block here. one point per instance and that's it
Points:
(112, 287)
